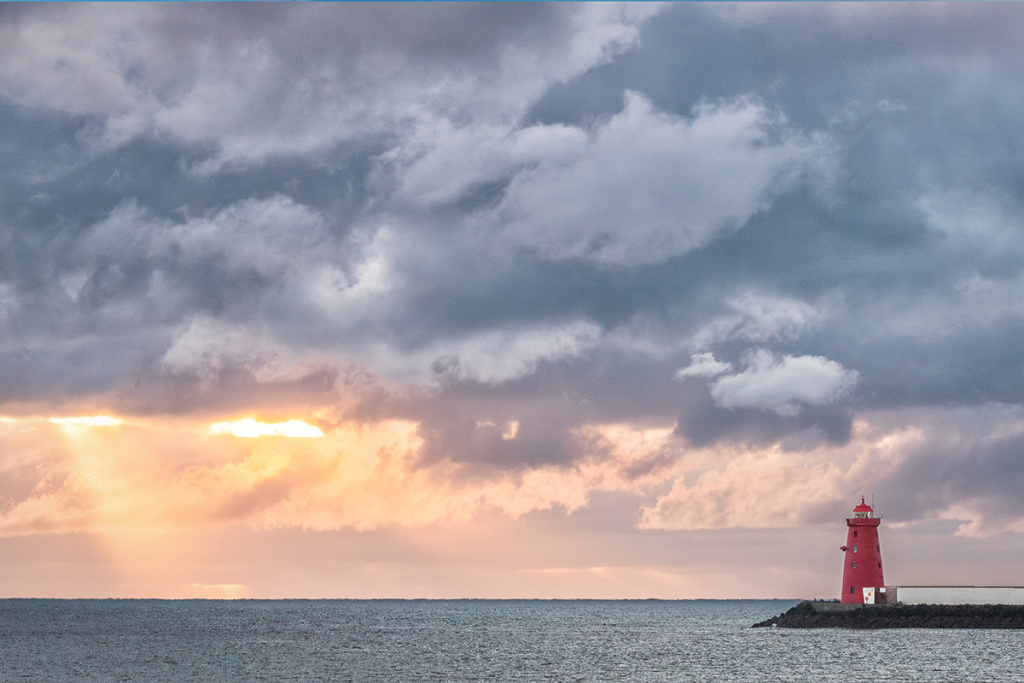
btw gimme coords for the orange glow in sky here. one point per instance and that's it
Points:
(87, 421)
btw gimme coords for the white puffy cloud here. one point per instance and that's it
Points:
(650, 185)
(758, 318)
(783, 385)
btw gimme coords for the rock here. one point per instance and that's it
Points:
(902, 616)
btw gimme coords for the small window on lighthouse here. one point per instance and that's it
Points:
(854, 548)
(853, 566)
(855, 534)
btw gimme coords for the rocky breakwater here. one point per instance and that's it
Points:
(902, 616)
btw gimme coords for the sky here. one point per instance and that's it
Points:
(529, 300)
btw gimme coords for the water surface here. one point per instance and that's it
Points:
(398, 641)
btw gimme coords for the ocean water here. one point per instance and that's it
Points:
(399, 641)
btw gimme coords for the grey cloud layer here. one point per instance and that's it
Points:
(532, 212)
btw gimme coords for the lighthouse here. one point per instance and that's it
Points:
(862, 557)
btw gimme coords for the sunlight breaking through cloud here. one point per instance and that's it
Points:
(251, 428)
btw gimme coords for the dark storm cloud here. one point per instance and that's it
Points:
(967, 367)
(469, 421)
(529, 213)
(702, 423)
(106, 236)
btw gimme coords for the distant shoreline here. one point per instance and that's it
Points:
(902, 616)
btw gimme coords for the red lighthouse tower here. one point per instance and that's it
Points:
(862, 555)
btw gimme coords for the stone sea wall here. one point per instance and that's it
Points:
(902, 616)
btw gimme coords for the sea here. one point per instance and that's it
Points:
(404, 641)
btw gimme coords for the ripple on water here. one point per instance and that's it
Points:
(471, 640)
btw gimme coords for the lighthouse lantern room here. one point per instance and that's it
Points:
(862, 555)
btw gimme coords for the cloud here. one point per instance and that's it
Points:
(704, 365)
(650, 186)
(240, 81)
(783, 385)
(443, 161)
(351, 475)
(751, 487)
(207, 350)
(514, 353)
(964, 468)
(265, 237)
(759, 318)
